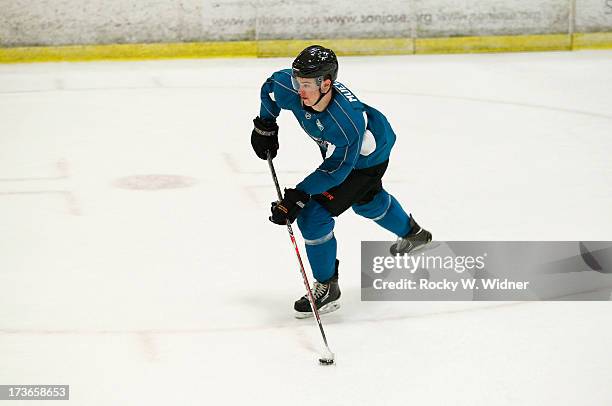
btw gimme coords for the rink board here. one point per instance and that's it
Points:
(283, 48)
(69, 30)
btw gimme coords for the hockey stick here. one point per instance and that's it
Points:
(328, 357)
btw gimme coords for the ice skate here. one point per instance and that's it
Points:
(326, 295)
(415, 240)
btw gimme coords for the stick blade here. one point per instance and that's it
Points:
(327, 359)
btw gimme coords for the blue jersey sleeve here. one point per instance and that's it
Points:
(332, 171)
(277, 93)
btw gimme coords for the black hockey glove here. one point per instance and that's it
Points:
(264, 138)
(289, 207)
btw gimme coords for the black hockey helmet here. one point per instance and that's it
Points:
(315, 62)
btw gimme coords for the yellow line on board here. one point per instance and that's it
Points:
(289, 48)
(350, 46)
(595, 40)
(513, 43)
(238, 49)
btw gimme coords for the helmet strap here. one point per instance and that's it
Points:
(322, 95)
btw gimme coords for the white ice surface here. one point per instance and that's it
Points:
(184, 296)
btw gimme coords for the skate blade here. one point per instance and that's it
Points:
(328, 308)
(423, 247)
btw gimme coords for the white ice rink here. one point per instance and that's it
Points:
(138, 266)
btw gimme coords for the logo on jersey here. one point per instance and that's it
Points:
(345, 92)
(308, 115)
(321, 128)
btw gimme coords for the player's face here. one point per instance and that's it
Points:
(309, 90)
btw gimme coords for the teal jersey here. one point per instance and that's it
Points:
(350, 134)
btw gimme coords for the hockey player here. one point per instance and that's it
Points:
(355, 141)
